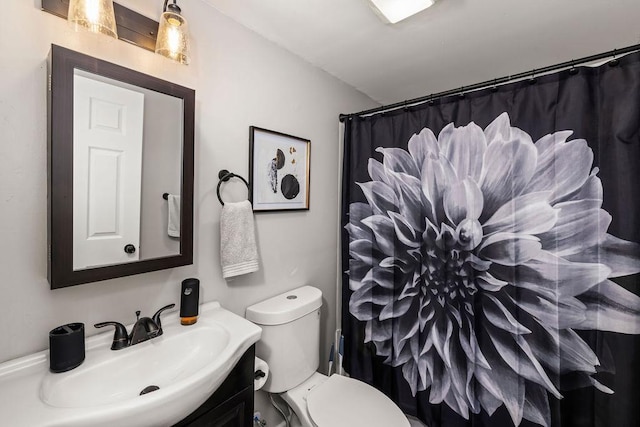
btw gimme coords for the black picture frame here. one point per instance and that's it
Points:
(279, 171)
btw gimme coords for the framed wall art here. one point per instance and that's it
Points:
(279, 170)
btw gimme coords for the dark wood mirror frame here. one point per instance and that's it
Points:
(60, 272)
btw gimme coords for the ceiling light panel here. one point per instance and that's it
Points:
(397, 10)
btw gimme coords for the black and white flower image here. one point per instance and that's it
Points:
(475, 259)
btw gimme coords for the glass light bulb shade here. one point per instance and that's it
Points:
(95, 15)
(173, 37)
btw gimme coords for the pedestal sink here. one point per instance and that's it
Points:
(175, 373)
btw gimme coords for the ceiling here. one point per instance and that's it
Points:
(452, 44)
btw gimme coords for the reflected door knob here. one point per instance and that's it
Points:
(130, 249)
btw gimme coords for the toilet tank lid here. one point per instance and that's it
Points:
(286, 307)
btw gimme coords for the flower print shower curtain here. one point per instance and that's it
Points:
(491, 256)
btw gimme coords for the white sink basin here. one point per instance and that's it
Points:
(187, 363)
(119, 375)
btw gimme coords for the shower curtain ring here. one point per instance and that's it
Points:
(573, 70)
(431, 101)
(615, 61)
(533, 79)
(494, 88)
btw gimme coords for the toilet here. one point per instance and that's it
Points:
(290, 345)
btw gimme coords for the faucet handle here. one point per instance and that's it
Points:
(120, 336)
(156, 317)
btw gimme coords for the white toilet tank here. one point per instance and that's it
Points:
(290, 342)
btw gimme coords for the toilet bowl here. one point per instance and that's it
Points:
(339, 401)
(290, 345)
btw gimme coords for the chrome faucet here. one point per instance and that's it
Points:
(144, 329)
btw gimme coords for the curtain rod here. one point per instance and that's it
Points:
(492, 83)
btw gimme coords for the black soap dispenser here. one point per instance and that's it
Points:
(189, 301)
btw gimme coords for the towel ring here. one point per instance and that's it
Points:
(224, 176)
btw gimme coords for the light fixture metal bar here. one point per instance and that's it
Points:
(132, 27)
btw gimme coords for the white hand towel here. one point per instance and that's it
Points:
(173, 222)
(238, 250)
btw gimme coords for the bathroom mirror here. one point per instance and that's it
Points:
(120, 169)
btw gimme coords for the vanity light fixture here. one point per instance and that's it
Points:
(173, 34)
(96, 16)
(169, 37)
(395, 11)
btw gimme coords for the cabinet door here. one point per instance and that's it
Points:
(231, 405)
(233, 417)
(229, 414)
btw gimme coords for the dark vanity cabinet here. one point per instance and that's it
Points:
(231, 405)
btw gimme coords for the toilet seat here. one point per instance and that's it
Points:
(344, 402)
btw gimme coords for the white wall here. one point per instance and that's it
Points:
(240, 80)
(161, 172)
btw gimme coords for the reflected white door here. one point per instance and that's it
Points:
(107, 171)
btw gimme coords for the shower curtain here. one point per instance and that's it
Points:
(490, 253)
